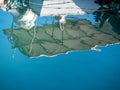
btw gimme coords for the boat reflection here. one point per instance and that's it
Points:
(49, 39)
(62, 34)
(25, 12)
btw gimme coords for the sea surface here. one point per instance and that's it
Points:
(80, 70)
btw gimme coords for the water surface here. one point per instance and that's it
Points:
(85, 70)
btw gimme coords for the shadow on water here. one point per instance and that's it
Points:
(108, 16)
(52, 38)
(86, 5)
(36, 5)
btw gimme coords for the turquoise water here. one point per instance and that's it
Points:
(85, 70)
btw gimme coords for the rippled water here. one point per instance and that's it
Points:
(79, 70)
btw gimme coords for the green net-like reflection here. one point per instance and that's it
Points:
(78, 34)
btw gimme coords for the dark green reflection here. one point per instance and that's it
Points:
(78, 34)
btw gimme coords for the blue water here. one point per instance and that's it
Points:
(85, 70)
